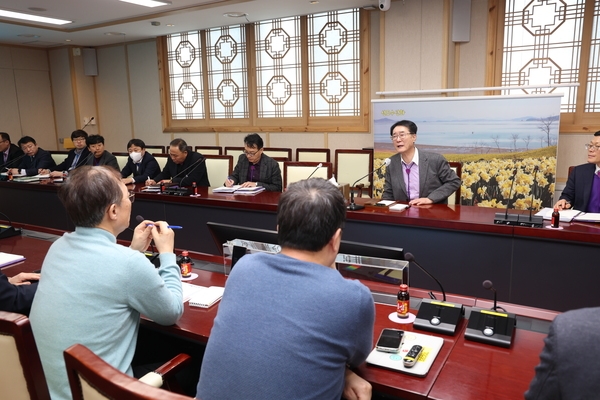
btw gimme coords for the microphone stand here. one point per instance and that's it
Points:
(8, 231)
(534, 221)
(315, 170)
(353, 206)
(504, 218)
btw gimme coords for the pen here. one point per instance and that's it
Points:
(169, 226)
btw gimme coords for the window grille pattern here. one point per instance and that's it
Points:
(185, 74)
(592, 101)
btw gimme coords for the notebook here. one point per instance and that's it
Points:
(7, 259)
(206, 296)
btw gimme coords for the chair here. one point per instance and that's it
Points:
(352, 165)
(235, 152)
(21, 373)
(122, 159)
(318, 155)
(278, 152)
(455, 198)
(91, 378)
(58, 155)
(204, 150)
(155, 149)
(294, 171)
(161, 159)
(218, 168)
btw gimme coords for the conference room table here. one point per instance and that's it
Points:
(462, 370)
(460, 245)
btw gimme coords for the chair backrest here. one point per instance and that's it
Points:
(571, 168)
(161, 159)
(278, 152)
(58, 155)
(204, 150)
(151, 148)
(235, 152)
(294, 171)
(218, 168)
(21, 373)
(351, 165)
(455, 197)
(121, 159)
(91, 378)
(318, 155)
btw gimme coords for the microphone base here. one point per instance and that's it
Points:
(354, 207)
(536, 221)
(10, 231)
(439, 316)
(503, 219)
(153, 258)
(491, 327)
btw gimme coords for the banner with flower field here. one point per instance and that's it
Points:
(492, 136)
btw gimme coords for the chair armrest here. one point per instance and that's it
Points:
(173, 365)
(165, 374)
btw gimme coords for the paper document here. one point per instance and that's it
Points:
(565, 215)
(238, 189)
(7, 259)
(206, 296)
(399, 207)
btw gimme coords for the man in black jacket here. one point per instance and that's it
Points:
(9, 152)
(76, 157)
(141, 165)
(36, 159)
(16, 293)
(183, 167)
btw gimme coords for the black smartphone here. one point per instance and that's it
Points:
(390, 340)
(237, 253)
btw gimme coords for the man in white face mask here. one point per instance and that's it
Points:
(141, 165)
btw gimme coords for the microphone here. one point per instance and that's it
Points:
(434, 315)
(87, 123)
(534, 221)
(491, 326)
(505, 218)
(195, 165)
(11, 162)
(353, 206)
(85, 160)
(312, 173)
(8, 231)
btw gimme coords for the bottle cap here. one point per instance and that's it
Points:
(185, 253)
(404, 287)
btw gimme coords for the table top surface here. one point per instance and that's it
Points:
(462, 370)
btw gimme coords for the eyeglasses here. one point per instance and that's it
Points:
(131, 196)
(592, 147)
(79, 139)
(401, 136)
(251, 153)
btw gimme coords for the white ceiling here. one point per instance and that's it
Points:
(94, 18)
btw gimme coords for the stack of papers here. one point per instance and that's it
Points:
(7, 259)
(238, 189)
(35, 178)
(570, 215)
(201, 296)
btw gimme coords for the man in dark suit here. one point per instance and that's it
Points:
(569, 366)
(36, 159)
(95, 144)
(76, 157)
(414, 176)
(141, 165)
(16, 293)
(255, 168)
(582, 191)
(10, 153)
(184, 166)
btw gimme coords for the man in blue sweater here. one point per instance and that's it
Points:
(93, 290)
(289, 325)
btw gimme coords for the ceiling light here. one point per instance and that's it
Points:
(314, 2)
(149, 3)
(235, 14)
(35, 18)
(114, 34)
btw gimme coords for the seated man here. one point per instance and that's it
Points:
(183, 167)
(95, 144)
(93, 290)
(569, 365)
(36, 159)
(289, 325)
(16, 293)
(10, 153)
(413, 176)
(77, 156)
(140, 164)
(255, 168)
(582, 191)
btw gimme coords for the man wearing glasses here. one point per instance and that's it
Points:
(77, 156)
(183, 167)
(255, 168)
(36, 159)
(413, 176)
(582, 191)
(92, 289)
(9, 153)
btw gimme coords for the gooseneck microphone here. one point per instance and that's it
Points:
(434, 315)
(504, 218)
(533, 221)
(187, 170)
(315, 170)
(487, 284)
(87, 123)
(11, 162)
(353, 206)
(8, 231)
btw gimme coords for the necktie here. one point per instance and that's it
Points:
(594, 202)
(5, 157)
(408, 182)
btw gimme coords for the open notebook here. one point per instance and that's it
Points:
(201, 296)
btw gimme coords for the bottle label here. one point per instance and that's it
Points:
(186, 269)
(402, 309)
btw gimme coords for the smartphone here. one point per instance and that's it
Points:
(390, 340)
(410, 359)
(238, 252)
